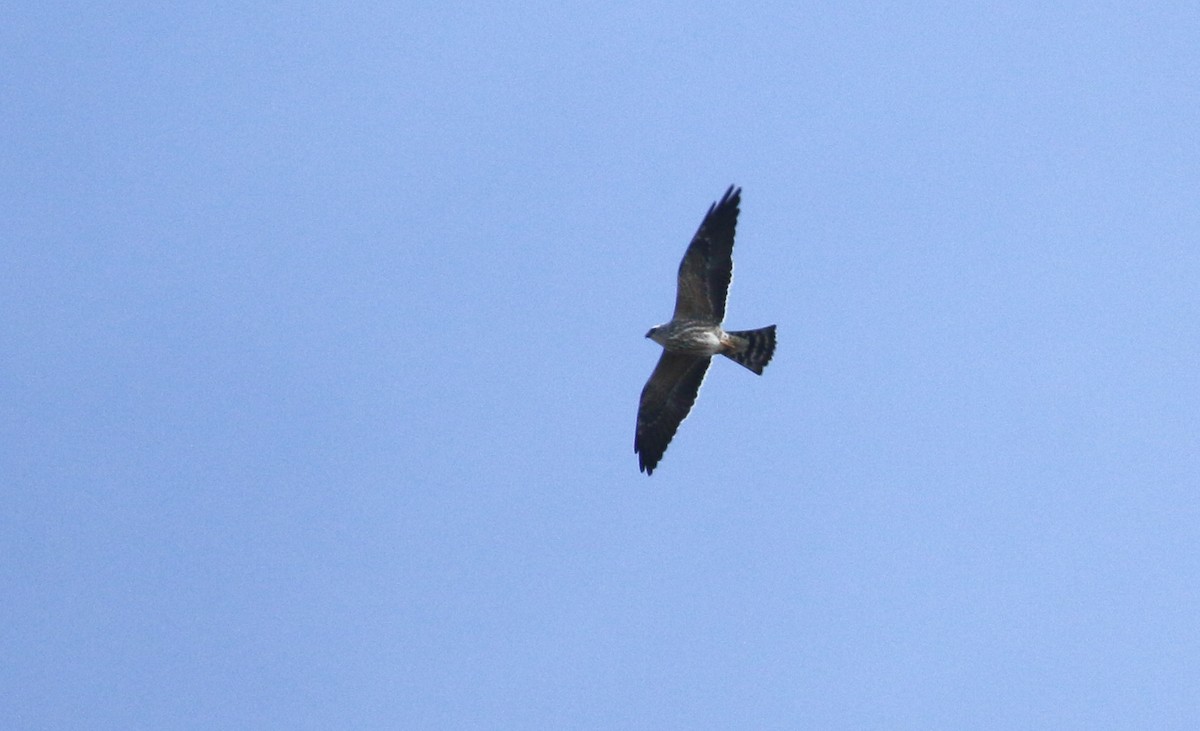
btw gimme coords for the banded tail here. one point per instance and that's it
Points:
(759, 346)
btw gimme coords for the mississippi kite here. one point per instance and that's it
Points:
(694, 333)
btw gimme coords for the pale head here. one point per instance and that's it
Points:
(659, 333)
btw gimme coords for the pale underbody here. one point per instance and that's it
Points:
(695, 338)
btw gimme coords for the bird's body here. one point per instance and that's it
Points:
(694, 333)
(694, 337)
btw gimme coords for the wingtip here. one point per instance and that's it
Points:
(645, 466)
(637, 449)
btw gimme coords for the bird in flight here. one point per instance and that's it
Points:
(694, 334)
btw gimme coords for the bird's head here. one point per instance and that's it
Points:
(658, 334)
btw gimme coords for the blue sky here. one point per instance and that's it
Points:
(323, 340)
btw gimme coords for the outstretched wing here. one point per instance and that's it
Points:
(666, 400)
(707, 266)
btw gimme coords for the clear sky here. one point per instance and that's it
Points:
(322, 337)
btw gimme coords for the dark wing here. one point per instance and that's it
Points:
(707, 266)
(666, 400)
